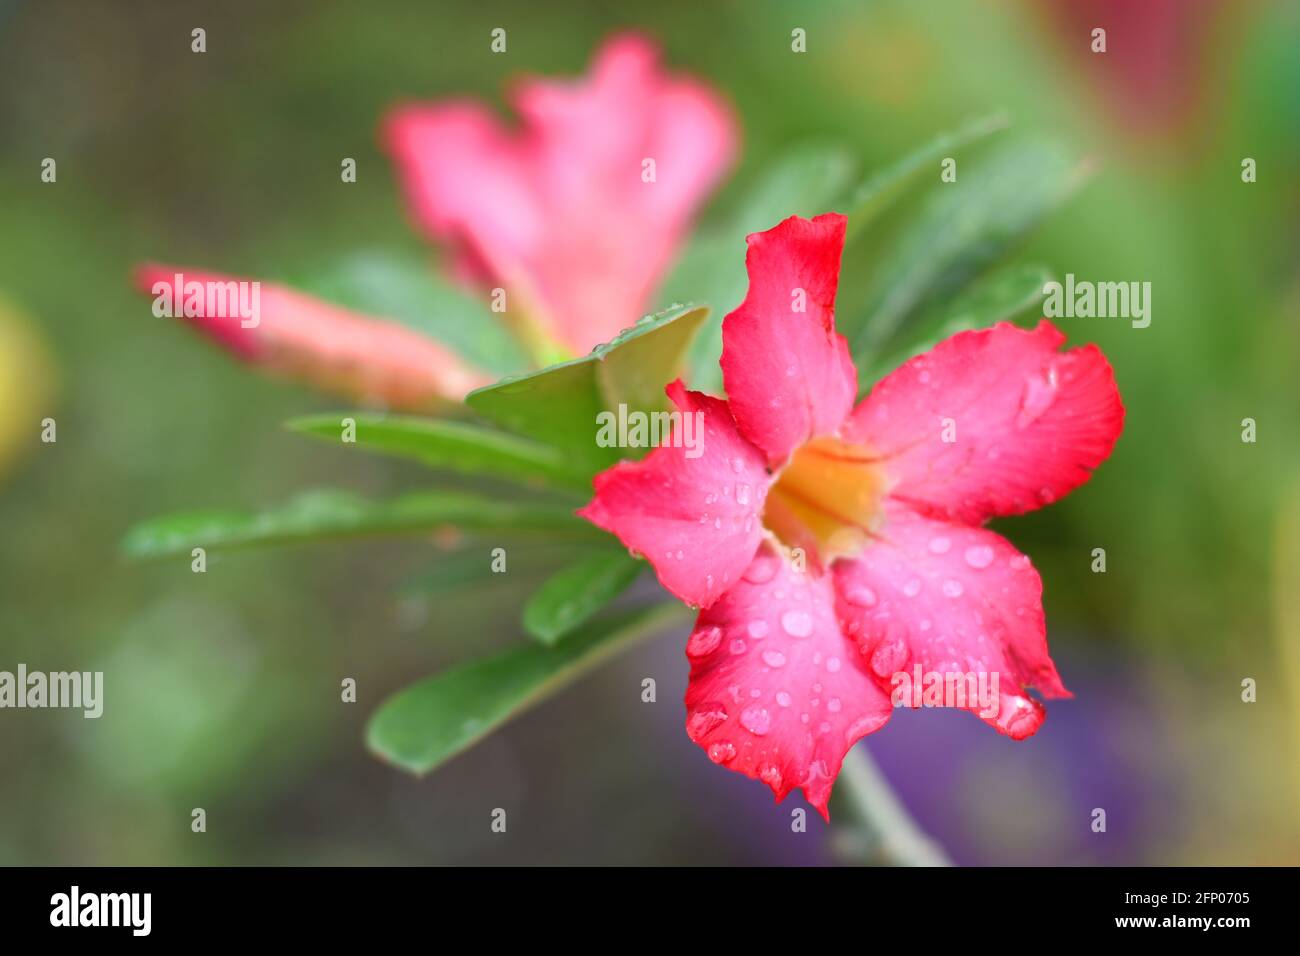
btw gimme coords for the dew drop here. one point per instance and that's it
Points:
(704, 641)
(832, 664)
(761, 570)
(756, 720)
(1039, 394)
(704, 719)
(939, 545)
(861, 597)
(979, 556)
(722, 752)
(952, 588)
(783, 698)
(889, 656)
(774, 659)
(737, 646)
(757, 629)
(797, 623)
(912, 588)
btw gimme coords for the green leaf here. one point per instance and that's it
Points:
(429, 722)
(327, 514)
(408, 290)
(573, 595)
(559, 405)
(1001, 295)
(457, 446)
(962, 228)
(805, 181)
(874, 195)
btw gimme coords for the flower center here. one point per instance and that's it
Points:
(826, 499)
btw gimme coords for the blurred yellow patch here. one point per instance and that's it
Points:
(26, 385)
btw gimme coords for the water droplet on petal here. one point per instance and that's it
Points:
(704, 719)
(742, 494)
(737, 646)
(952, 588)
(722, 752)
(756, 720)
(832, 664)
(774, 659)
(797, 623)
(1040, 393)
(783, 698)
(704, 641)
(861, 597)
(939, 545)
(912, 588)
(979, 556)
(890, 655)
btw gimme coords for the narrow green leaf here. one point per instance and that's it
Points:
(559, 405)
(327, 514)
(1001, 295)
(457, 446)
(874, 195)
(407, 289)
(962, 228)
(576, 593)
(429, 722)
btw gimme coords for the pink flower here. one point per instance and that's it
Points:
(886, 499)
(576, 215)
(303, 338)
(579, 211)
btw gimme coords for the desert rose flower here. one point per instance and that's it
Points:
(576, 215)
(303, 338)
(831, 546)
(579, 210)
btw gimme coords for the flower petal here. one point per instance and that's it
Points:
(787, 373)
(1026, 424)
(696, 519)
(952, 599)
(332, 348)
(561, 213)
(777, 692)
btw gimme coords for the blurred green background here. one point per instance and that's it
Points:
(223, 688)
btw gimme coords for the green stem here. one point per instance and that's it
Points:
(893, 837)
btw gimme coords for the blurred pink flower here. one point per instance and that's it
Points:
(579, 211)
(564, 214)
(336, 350)
(792, 663)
